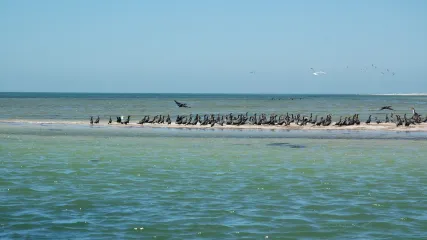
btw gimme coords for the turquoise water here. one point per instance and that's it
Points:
(60, 181)
(75, 106)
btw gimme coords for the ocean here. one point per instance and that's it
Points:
(80, 106)
(60, 180)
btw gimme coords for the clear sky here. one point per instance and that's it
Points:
(212, 46)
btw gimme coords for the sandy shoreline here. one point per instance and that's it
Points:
(368, 127)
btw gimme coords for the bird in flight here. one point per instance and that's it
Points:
(184, 105)
(386, 108)
(317, 73)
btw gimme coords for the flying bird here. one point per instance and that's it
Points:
(184, 105)
(317, 73)
(387, 108)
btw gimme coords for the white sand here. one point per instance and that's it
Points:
(370, 127)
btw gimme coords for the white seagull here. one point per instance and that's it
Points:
(317, 73)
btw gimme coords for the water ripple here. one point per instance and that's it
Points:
(216, 188)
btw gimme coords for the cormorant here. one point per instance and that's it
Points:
(184, 105)
(127, 121)
(387, 107)
(369, 120)
(413, 112)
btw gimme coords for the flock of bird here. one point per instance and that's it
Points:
(382, 72)
(365, 69)
(272, 119)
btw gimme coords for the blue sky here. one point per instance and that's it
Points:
(211, 46)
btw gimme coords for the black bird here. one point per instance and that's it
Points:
(184, 105)
(357, 121)
(97, 120)
(369, 120)
(91, 120)
(414, 113)
(127, 121)
(339, 122)
(110, 121)
(406, 121)
(386, 108)
(398, 121)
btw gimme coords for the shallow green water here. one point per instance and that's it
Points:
(87, 183)
(80, 106)
(67, 181)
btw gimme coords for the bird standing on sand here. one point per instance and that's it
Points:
(415, 116)
(369, 120)
(91, 120)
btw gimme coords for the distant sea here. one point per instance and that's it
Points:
(65, 181)
(80, 106)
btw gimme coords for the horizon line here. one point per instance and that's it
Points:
(251, 93)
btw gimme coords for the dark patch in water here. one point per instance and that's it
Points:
(286, 145)
(242, 144)
(296, 146)
(56, 130)
(94, 160)
(277, 144)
